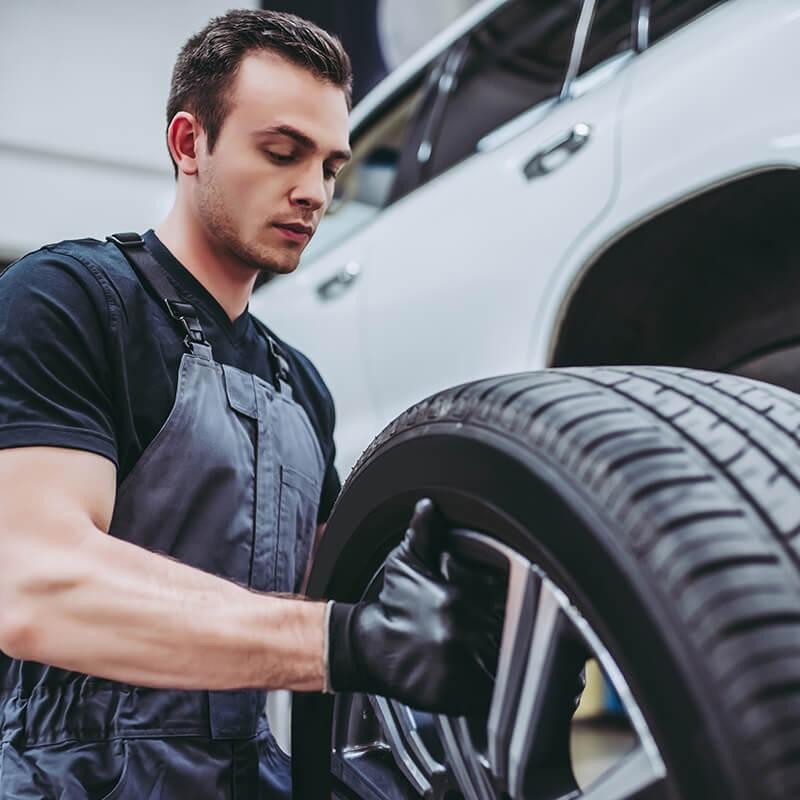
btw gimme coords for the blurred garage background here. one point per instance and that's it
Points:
(83, 84)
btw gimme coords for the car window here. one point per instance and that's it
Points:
(514, 61)
(667, 16)
(611, 33)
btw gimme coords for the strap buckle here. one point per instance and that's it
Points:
(184, 314)
(128, 239)
(280, 366)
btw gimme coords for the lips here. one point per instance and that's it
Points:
(295, 227)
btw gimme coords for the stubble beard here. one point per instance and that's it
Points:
(219, 223)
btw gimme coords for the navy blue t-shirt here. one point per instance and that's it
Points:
(89, 358)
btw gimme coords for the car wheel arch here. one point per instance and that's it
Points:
(713, 261)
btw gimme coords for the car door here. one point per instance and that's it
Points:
(513, 156)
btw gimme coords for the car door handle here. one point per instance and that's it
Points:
(340, 282)
(555, 155)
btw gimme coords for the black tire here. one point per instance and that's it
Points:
(666, 504)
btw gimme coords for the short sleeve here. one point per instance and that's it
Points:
(54, 373)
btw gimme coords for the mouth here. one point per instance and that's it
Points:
(294, 231)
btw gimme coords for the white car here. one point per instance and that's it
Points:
(557, 183)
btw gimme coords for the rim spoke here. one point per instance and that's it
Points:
(365, 773)
(386, 757)
(457, 740)
(456, 759)
(476, 762)
(523, 586)
(635, 777)
(418, 774)
(433, 769)
(539, 760)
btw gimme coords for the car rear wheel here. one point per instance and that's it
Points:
(647, 518)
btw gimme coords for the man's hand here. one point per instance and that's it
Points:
(427, 641)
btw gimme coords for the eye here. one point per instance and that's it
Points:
(330, 174)
(280, 158)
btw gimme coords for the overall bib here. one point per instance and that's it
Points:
(230, 485)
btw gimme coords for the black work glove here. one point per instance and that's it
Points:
(427, 641)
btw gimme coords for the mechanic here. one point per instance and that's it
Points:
(166, 463)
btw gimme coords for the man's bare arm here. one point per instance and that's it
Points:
(74, 597)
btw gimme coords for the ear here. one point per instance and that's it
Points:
(183, 136)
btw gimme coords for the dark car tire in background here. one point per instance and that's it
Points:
(664, 502)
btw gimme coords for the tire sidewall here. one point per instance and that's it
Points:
(486, 481)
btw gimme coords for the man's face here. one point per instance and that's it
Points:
(262, 191)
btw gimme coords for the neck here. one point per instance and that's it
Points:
(218, 270)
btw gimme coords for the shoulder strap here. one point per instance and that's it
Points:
(277, 360)
(133, 248)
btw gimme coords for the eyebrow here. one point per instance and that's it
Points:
(304, 140)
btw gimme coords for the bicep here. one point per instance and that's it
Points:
(47, 494)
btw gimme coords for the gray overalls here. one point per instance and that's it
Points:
(230, 484)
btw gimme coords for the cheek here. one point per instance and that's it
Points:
(247, 188)
(245, 174)
(251, 190)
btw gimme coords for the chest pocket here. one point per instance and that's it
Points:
(297, 521)
(289, 470)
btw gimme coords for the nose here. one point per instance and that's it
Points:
(310, 191)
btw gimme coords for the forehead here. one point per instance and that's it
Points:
(268, 89)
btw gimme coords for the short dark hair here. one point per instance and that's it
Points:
(207, 64)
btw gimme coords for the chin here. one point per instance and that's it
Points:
(276, 262)
(282, 267)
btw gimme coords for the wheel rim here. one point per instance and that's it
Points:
(383, 750)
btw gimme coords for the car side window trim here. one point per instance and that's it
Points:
(641, 25)
(532, 116)
(578, 47)
(445, 83)
(574, 85)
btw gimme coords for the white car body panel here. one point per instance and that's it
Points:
(711, 75)
(477, 243)
(468, 276)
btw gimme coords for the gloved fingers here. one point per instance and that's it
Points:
(478, 611)
(480, 632)
(474, 577)
(482, 598)
(426, 533)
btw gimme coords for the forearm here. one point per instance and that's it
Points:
(115, 610)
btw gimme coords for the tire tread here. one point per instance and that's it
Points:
(700, 473)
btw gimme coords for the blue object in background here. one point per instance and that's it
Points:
(611, 702)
